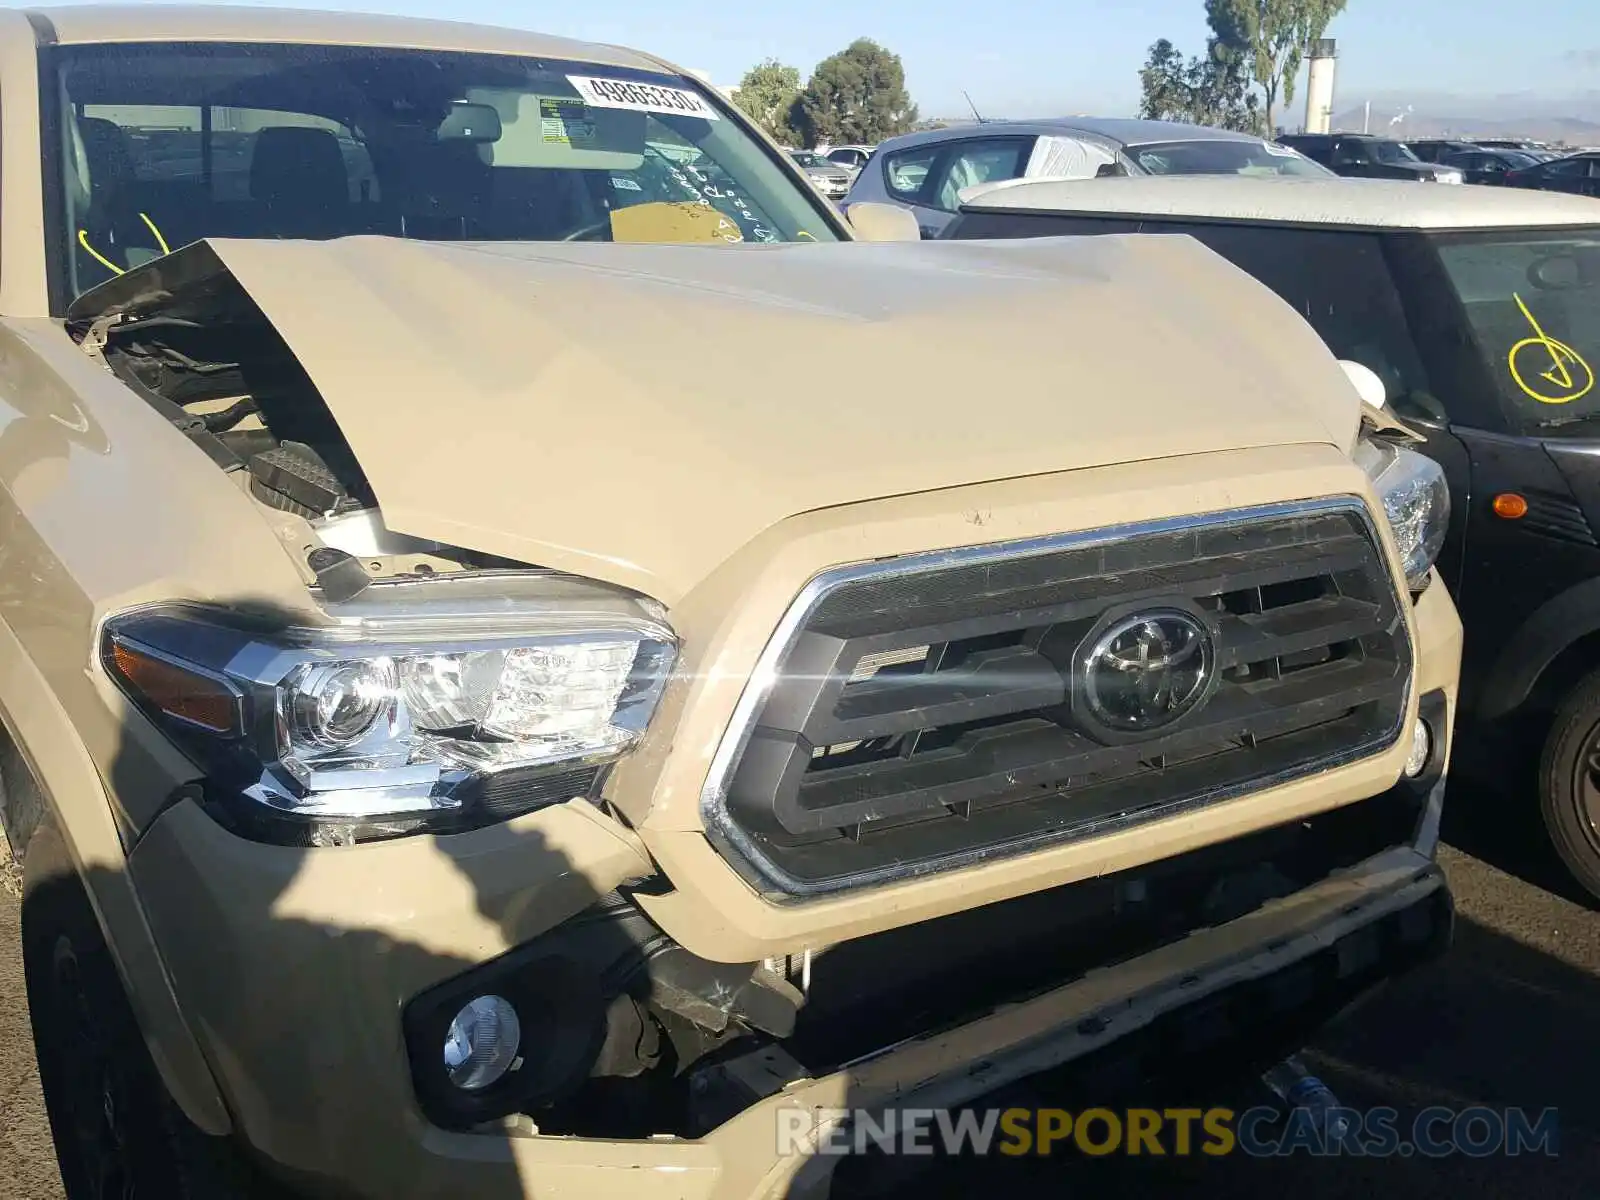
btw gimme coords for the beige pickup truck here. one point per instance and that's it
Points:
(475, 725)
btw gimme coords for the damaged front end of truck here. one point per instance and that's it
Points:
(884, 762)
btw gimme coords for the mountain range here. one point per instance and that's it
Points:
(1573, 118)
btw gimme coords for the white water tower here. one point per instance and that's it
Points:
(1321, 59)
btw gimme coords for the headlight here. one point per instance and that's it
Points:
(1416, 499)
(431, 704)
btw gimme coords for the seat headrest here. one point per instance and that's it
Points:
(105, 147)
(300, 167)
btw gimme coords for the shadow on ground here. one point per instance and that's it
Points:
(1494, 1023)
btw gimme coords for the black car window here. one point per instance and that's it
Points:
(1350, 151)
(1340, 282)
(905, 173)
(1575, 168)
(975, 162)
(1318, 150)
(1532, 302)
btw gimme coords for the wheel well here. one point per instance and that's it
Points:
(21, 805)
(1562, 675)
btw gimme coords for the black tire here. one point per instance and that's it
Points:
(1569, 783)
(118, 1133)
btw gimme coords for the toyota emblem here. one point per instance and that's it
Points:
(1148, 670)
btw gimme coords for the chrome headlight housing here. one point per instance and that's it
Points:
(437, 704)
(1416, 499)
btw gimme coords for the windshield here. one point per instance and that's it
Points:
(806, 159)
(1224, 157)
(1533, 303)
(162, 145)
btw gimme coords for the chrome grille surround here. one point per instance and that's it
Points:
(1372, 638)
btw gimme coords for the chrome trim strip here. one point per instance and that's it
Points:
(758, 688)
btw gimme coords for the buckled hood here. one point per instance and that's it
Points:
(636, 413)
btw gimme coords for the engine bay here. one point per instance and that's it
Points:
(209, 361)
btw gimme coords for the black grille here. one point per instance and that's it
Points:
(929, 712)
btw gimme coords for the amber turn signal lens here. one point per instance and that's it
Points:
(1510, 506)
(191, 697)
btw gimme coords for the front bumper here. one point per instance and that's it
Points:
(291, 1016)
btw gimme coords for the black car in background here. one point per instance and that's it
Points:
(1435, 149)
(1576, 173)
(1363, 156)
(1488, 166)
(1478, 309)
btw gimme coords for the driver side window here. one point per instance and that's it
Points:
(973, 163)
(1349, 152)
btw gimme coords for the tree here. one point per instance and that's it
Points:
(767, 95)
(1213, 90)
(1270, 37)
(1166, 82)
(856, 95)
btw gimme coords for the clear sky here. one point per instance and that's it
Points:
(1048, 57)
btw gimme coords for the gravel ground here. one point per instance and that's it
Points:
(27, 1165)
(1506, 1018)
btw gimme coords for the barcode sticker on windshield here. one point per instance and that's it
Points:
(642, 97)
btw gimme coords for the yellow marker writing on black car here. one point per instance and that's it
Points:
(1567, 377)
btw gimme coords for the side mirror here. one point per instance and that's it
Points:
(1366, 382)
(883, 222)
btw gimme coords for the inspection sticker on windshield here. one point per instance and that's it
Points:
(1280, 151)
(641, 97)
(564, 122)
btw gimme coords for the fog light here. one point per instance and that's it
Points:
(1421, 748)
(482, 1043)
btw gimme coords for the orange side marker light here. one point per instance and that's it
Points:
(1510, 506)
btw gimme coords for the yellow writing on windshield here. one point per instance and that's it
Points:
(1556, 373)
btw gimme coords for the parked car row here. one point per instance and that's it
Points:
(927, 171)
(1434, 149)
(1364, 156)
(829, 178)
